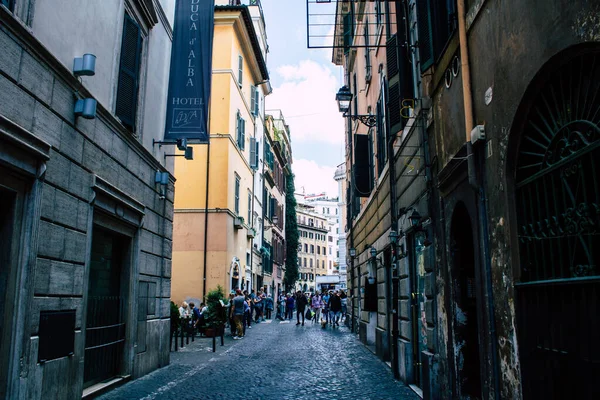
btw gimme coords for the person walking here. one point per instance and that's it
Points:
(344, 299)
(325, 300)
(238, 313)
(335, 308)
(258, 307)
(269, 305)
(289, 304)
(317, 304)
(301, 303)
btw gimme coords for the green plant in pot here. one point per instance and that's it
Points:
(215, 316)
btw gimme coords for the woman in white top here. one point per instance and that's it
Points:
(184, 310)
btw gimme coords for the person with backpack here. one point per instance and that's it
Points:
(301, 303)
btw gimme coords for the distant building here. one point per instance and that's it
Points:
(312, 250)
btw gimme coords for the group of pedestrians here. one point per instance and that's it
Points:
(327, 307)
(248, 307)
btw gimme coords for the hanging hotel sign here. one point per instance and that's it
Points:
(191, 71)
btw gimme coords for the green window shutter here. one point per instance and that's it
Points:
(237, 195)
(256, 153)
(424, 18)
(348, 31)
(240, 69)
(249, 209)
(237, 128)
(129, 71)
(256, 100)
(243, 133)
(253, 163)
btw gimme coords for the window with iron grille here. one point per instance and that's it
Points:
(129, 73)
(237, 195)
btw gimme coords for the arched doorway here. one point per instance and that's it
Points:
(557, 207)
(466, 339)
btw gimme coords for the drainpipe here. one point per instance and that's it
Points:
(466, 86)
(480, 189)
(206, 219)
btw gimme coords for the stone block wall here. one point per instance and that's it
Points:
(37, 93)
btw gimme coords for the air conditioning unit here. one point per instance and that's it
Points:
(238, 222)
(251, 233)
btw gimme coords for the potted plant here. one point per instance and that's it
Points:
(215, 315)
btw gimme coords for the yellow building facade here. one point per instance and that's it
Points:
(213, 230)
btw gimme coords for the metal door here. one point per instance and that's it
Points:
(105, 326)
(12, 200)
(558, 211)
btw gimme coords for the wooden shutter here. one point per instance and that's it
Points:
(400, 78)
(371, 160)
(240, 69)
(348, 31)
(243, 133)
(256, 153)
(238, 126)
(381, 143)
(256, 100)
(237, 195)
(253, 99)
(272, 206)
(424, 17)
(253, 163)
(129, 70)
(362, 175)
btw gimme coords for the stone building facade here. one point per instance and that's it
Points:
(494, 277)
(85, 232)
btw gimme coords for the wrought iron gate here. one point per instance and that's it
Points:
(105, 326)
(558, 206)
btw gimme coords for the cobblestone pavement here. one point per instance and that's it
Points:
(274, 361)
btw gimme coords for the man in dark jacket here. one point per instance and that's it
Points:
(335, 308)
(301, 302)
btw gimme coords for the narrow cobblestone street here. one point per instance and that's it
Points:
(274, 361)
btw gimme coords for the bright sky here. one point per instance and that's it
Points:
(304, 82)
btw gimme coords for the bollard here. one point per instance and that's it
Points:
(214, 342)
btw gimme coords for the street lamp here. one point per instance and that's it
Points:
(415, 218)
(393, 236)
(352, 252)
(275, 220)
(344, 97)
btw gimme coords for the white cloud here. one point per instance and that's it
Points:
(307, 99)
(312, 178)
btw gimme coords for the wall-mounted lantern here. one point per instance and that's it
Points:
(84, 66)
(85, 108)
(352, 252)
